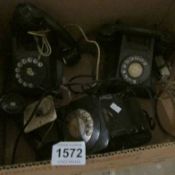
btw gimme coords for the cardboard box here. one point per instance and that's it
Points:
(157, 158)
(149, 160)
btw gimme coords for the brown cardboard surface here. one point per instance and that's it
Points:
(93, 13)
(100, 163)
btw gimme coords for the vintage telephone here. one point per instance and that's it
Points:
(39, 46)
(108, 122)
(130, 53)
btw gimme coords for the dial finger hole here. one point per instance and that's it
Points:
(19, 65)
(24, 61)
(17, 70)
(24, 84)
(40, 64)
(35, 61)
(29, 60)
(17, 75)
(20, 81)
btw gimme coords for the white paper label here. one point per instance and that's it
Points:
(116, 108)
(68, 153)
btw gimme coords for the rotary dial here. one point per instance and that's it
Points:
(134, 69)
(12, 103)
(80, 124)
(29, 72)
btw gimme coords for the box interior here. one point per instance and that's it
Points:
(155, 14)
(142, 13)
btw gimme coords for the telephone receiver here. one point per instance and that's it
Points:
(28, 17)
(109, 33)
(110, 30)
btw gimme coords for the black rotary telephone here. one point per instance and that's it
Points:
(130, 53)
(107, 122)
(39, 46)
